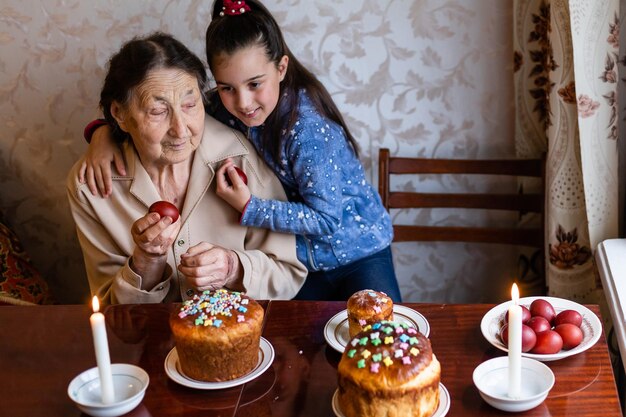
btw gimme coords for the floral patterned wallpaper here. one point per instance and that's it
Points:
(421, 77)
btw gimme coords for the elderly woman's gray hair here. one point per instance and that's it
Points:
(129, 67)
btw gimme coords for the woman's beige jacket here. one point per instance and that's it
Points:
(271, 268)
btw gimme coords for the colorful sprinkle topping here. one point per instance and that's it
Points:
(208, 307)
(400, 341)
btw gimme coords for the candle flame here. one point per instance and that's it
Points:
(95, 304)
(514, 293)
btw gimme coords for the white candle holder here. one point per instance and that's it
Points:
(129, 383)
(492, 380)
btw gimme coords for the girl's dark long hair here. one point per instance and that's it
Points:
(228, 34)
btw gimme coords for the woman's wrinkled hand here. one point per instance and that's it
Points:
(210, 267)
(95, 169)
(154, 235)
(237, 193)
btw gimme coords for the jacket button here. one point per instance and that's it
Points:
(181, 242)
(189, 292)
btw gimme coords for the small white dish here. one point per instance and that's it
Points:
(442, 410)
(492, 380)
(129, 384)
(592, 327)
(173, 370)
(337, 332)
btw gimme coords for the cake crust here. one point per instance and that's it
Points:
(217, 335)
(367, 307)
(389, 370)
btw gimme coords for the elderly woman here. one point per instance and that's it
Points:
(153, 99)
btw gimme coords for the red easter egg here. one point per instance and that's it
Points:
(242, 175)
(165, 208)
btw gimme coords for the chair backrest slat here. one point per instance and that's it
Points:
(511, 202)
(508, 236)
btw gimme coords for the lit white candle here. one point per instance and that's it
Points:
(99, 331)
(515, 344)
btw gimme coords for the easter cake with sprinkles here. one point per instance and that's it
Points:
(366, 307)
(217, 335)
(388, 369)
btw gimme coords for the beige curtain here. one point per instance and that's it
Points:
(566, 59)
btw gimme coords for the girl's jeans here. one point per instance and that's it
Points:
(374, 272)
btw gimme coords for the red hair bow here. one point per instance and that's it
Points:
(234, 7)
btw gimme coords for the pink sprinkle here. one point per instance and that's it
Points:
(399, 330)
(374, 367)
(406, 360)
(182, 315)
(404, 346)
(240, 318)
(377, 309)
(412, 330)
(362, 322)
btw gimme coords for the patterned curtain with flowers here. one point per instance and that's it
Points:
(566, 58)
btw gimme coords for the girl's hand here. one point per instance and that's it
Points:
(209, 267)
(95, 169)
(238, 194)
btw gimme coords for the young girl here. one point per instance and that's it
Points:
(343, 231)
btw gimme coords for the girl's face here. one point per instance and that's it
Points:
(249, 84)
(165, 117)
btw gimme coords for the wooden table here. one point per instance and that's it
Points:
(44, 348)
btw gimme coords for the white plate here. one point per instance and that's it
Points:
(337, 332)
(591, 326)
(172, 368)
(442, 410)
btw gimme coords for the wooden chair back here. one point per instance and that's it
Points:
(520, 202)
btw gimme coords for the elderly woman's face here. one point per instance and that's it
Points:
(165, 117)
